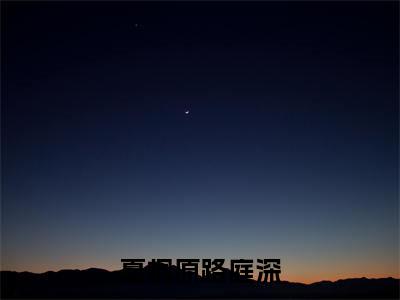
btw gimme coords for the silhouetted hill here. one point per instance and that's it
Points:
(162, 281)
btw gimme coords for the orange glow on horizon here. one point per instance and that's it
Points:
(309, 277)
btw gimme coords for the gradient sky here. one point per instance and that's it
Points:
(289, 150)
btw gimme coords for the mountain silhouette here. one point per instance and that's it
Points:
(163, 281)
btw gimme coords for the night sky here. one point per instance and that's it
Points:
(289, 149)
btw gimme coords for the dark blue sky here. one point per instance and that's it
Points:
(290, 149)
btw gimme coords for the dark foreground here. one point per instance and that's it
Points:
(97, 283)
